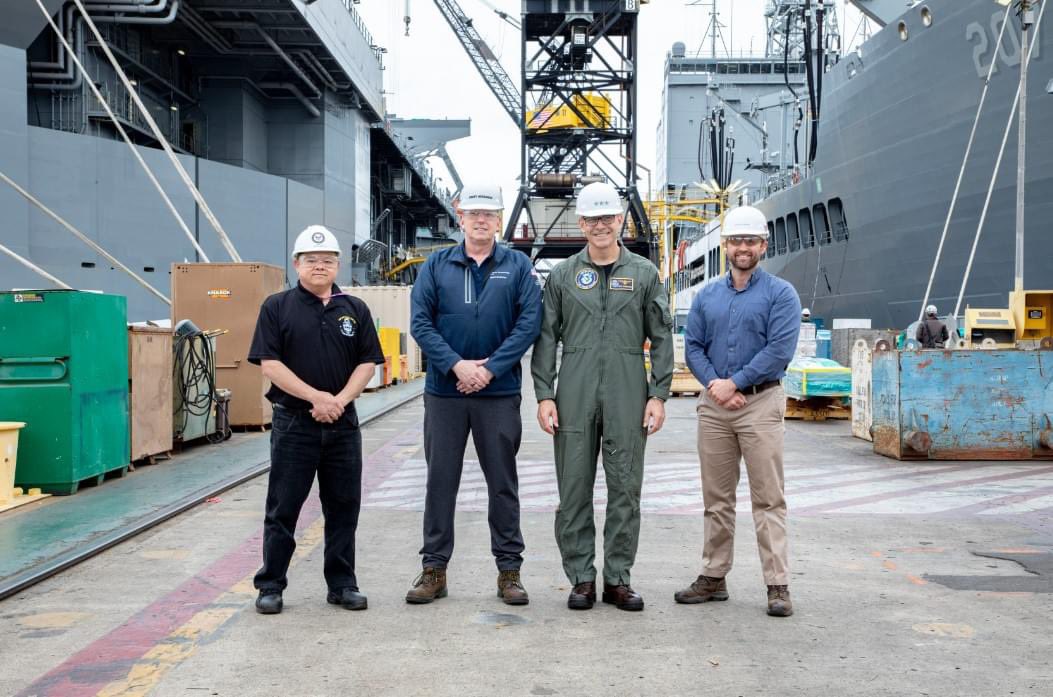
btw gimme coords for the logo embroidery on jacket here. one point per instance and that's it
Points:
(586, 279)
(348, 325)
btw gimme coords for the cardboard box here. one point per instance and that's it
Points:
(229, 296)
(391, 306)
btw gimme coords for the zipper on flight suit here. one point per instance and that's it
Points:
(603, 319)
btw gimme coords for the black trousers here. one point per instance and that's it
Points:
(301, 448)
(496, 429)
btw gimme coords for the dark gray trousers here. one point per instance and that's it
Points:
(496, 429)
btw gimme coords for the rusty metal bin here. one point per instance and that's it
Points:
(963, 404)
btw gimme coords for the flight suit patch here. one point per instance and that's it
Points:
(586, 279)
(622, 284)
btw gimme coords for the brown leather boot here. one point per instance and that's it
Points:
(510, 588)
(779, 604)
(582, 596)
(622, 597)
(430, 585)
(704, 589)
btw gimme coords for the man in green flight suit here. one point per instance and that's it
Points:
(602, 303)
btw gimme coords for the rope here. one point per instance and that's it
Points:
(83, 238)
(998, 165)
(961, 172)
(227, 244)
(33, 267)
(120, 129)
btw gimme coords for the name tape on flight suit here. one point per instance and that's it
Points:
(621, 284)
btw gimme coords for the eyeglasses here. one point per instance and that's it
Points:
(744, 241)
(598, 220)
(327, 262)
(485, 215)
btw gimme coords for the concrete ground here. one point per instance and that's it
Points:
(908, 579)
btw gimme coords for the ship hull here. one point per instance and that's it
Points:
(895, 122)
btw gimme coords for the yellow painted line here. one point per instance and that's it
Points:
(177, 554)
(922, 550)
(52, 620)
(1004, 594)
(1018, 550)
(943, 629)
(181, 644)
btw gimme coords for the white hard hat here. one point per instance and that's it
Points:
(931, 310)
(744, 221)
(806, 312)
(481, 197)
(598, 198)
(315, 238)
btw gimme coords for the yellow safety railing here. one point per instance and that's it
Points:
(414, 256)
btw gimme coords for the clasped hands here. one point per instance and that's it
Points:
(326, 408)
(725, 393)
(472, 376)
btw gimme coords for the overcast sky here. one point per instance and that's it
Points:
(428, 74)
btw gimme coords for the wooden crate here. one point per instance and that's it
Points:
(684, 383)
(150, 390)
(816, 409)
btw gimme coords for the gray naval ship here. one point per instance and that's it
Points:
(856, 229)
(274, 108)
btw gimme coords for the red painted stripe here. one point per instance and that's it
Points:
(111, 657)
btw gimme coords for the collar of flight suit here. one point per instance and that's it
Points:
(623, 258)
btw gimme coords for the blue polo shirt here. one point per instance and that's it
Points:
(464, 310)
(748, 335)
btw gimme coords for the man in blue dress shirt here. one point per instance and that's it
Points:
(741, 334)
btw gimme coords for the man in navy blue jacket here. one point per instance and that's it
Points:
(476, 311)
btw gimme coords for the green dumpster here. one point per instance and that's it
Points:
(64, 372)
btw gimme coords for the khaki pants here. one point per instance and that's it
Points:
(755, 434)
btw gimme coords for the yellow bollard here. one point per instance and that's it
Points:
(8, 458)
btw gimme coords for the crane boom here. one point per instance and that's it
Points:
(484, 59)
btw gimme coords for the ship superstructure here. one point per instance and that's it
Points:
(275, 108)
(856, 227)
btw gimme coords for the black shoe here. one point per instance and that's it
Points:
(347, 598)
(269, 603)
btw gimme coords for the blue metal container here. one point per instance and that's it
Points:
(963, 404)
(822, 343)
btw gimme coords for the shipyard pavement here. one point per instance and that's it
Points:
(908, 579)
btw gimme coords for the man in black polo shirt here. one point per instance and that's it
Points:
(318, 348)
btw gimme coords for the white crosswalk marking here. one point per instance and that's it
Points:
(879, 487)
